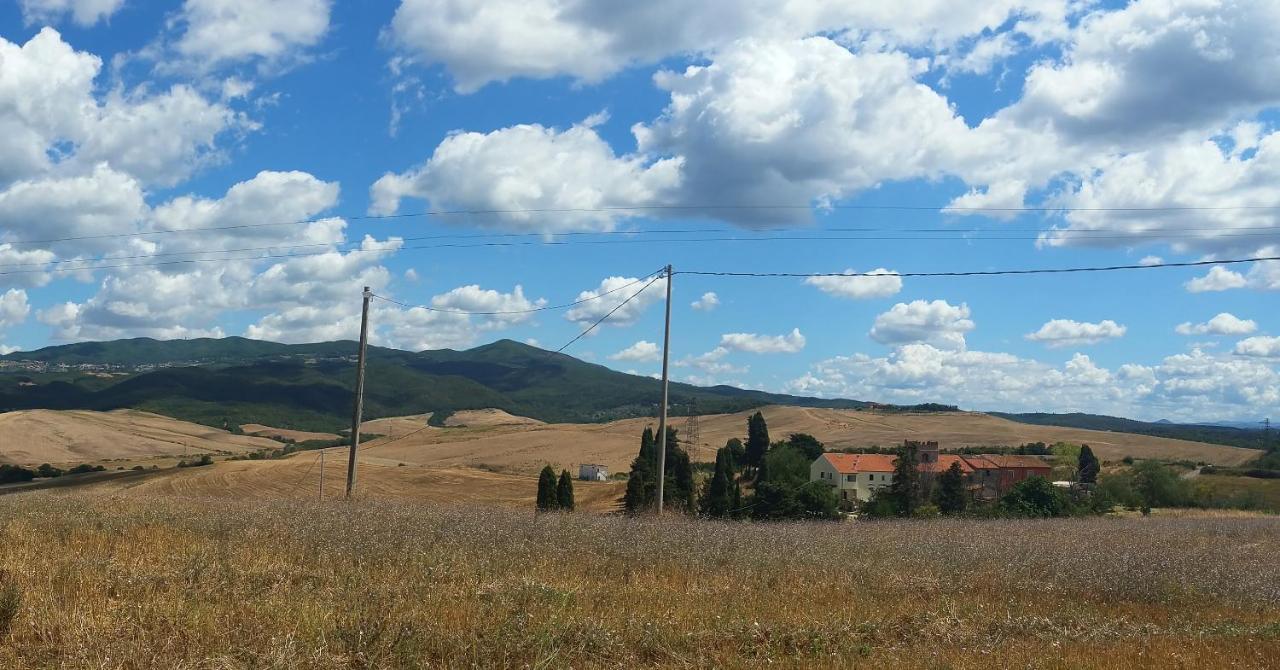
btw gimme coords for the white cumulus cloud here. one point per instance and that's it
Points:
(938, 322)
(1068, 333)
(642, 351)
(1218, 279)
(880, 283)
(1259, 347)
(707, 302)
(1222, 324)
(790, 343)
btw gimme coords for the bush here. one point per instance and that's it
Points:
(85, 468)
(1035, 497)
(927, 511)
(48, 471)
(205, 459)
(11, 474)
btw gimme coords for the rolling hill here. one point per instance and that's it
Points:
(233, 381)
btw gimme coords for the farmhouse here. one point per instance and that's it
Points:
(592, 472)
(857, 476)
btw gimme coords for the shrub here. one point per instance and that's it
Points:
(10, 474)
(1035, 497)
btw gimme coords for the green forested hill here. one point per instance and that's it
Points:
(235, 380)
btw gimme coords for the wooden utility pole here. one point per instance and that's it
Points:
(355, 416)
(322, 475)
(662, 413)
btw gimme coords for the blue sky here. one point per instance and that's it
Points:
(1146, 129)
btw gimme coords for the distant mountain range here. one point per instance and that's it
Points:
(1228, 434)
(230, 381)
(226, 382)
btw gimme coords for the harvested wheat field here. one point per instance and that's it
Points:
(103, 581)
(526, 448)
(485, 418)
(259, 430)
(298, 476)
(31, 437)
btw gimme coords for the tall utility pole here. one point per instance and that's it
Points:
(662, 413)
(322, 475)
(355, 415)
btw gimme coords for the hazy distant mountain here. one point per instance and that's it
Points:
(236, 380)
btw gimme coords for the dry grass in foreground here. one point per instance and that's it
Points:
(171, 583)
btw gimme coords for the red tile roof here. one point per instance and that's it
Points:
(944, 464)
(851, 463)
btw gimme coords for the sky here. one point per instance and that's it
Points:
(244, 167)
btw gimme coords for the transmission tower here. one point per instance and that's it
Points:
(691, 424)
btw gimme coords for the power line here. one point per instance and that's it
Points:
(606, 316)
(656, 208)
(980, 273)
(545, 308)
(38, 268)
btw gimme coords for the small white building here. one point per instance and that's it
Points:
(854, 476)
(592, 472)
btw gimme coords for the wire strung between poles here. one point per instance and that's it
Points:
(518, 311)
(979, 273)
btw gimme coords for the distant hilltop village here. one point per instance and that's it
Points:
(38, 366)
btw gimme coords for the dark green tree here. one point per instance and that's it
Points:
(757, 441)
(817, 500)
(737, 454)
(906, 489)
(1035, 497)
(1087, 466)
(1160, 486)
(950, 496)
(807, 444)
(547, 500)
(564, 492)
(678, 489)
(642, 485)
(717, 499)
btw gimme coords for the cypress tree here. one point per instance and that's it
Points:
(716, 502)
(737, 454)
(757, 440)
(564, 492)
(678, 489)
(642, 485)
(547, 500)
(905, 488)
(1087, 466)
(950, 495)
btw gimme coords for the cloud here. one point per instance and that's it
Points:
(13, 307)
(799, 121)
(84, 13)
(614, 295)
(590, 41)
(883, 284)
(1259, 347)
(937, 322)
(1218, 279)
(52, 119)
(1121, 68)
(1222, 324)
(1067, 333)
(1187, 387)
(708, 302)
(1150, 260)
(712, 363)
(790, 343)
(216, 32)
(529, 167)
(642, 351)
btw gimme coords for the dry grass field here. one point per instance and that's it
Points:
(298, 477)
(93, 580)
(260, 430)
(32, 437)
(525, 448)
